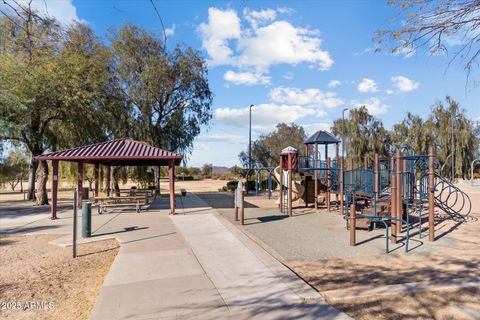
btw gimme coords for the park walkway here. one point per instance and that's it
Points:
(194, 265)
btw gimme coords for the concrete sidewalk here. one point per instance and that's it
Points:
(195, 265)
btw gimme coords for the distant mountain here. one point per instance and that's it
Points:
(219, 169)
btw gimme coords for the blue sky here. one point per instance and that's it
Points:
(296, 61)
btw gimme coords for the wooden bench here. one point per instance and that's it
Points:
(102, 207)
(183, 192)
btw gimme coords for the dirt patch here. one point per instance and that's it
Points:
(39, 280)
(442, 305)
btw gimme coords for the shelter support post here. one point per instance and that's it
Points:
(54, 188)
(171, 179)
(431, 193)
(109, 173)
(97, 173)
(79, 184)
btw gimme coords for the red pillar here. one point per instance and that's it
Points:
(171, 178)
(79, 183)
(108, 180)
(97, 173)
(54, 188)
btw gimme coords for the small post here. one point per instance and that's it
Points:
(54, 188)
(242, 207)
(74, 233)
(431, 193)
(353, 225)
(86, 219)
(365, 162)
(171, 178)
(393, 208)
(235, 205)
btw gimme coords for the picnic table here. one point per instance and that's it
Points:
(122, 201)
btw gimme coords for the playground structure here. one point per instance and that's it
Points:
(399, 192)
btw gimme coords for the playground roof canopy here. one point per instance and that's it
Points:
(322, 137)
(119, 152)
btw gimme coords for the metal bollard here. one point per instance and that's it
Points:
(86, 219)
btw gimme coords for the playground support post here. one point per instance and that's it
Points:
(337, 158)
(290, 172)
(341, 185)
(376, 172)
(393, 209)
(353, 225)
(365, 162)
(399, 205)
(315, 176)
(328, 175)
(282, 198)
(431, 193)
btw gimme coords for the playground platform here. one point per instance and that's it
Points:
(192, 265)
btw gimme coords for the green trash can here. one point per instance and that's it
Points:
(86, 219)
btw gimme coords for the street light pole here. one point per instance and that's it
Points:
(250, 140)
(343, 132)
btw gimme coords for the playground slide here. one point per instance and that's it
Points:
(297, 188)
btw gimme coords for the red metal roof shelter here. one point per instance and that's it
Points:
(120, 152)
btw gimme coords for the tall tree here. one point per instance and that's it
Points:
(51, 78)
(413, 134)
(168, 91)
(266, 149)
(463, 130)
(364, 135)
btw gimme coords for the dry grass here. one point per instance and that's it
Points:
(32, 270)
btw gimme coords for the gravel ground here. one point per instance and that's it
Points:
(315, 246)
(39, 280)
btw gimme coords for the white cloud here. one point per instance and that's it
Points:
(223, 25)
(374, 105)
(288, 76)
(311, 128)
(170, 31)
(333, 83)
(223, 137)
(265, 116)
(285, 10)
(367, 85)
(389, 91)
(256, 18)
(404, 84)
(201, 147)
(295, 96)
(248, 78)
(64, 11)
(266, 44)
